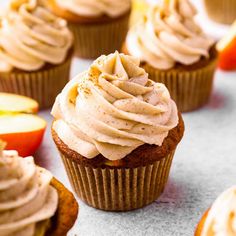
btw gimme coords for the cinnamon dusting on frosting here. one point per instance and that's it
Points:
(115, 110)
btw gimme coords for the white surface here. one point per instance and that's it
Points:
(203, 167)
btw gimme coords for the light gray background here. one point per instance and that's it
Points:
(203, 167)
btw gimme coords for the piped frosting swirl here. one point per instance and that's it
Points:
(30, 37)
(95, 8)
(168, 35)
(26, 197)
(113, 108)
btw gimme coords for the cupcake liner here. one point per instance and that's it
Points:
(43, 85)
(94, 39)
(118, 189)
(222, 11)
(189, 89)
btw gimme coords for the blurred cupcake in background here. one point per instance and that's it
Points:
(220, 219)
(35, 52)
(221, 11)
(117, 132)
(175, 51)
(99, 27)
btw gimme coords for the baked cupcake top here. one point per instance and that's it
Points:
(221, 218)
(95, 8)
(112, 109)
(26, 197)
(30, 37)
(168, 35)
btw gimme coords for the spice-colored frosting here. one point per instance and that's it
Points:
(95, 8)
(30, 37)
(26, 197)
(221, 219)
(113, 108)
(168, 35)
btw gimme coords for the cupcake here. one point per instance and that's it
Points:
(32, 202)
(35, 52)
(116, 131)
(221, 11)
(221, 217)
(99, 27)
(173, 50)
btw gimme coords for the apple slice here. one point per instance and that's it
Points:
(22, 132)
(12, 103)
(227, 50)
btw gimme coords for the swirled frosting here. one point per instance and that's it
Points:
(31, 36)
(95, 8)
(113, 108)
(26, 197)
(168, 35)
(221, 219)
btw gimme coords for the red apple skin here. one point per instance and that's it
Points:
(25, 143)
(227, 58)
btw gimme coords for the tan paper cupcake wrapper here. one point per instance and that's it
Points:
(94, 40)
(222, 11)
(189, 89)
(119, 189)
(43, 85)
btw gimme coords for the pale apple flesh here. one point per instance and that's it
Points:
(13, 103)
(22, 132)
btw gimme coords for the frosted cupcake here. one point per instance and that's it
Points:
(99, 27)
(174, 50)
(117, 132)
(221, 217)
(35, 52)
(32, 203)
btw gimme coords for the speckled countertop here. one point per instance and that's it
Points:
(204, 166)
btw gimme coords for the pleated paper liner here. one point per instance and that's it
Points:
(189, 89)
(43, 85)
(222, 11)
(95, 39)
(118, 189)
